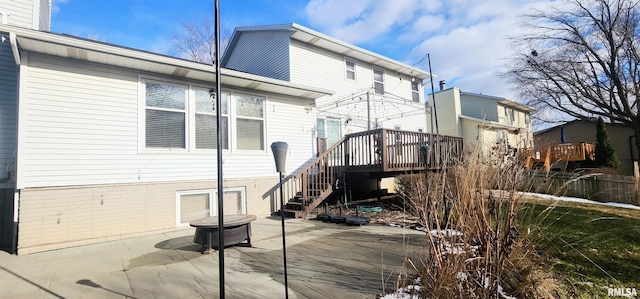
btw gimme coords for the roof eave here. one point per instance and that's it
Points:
(350, 50)
(108, 54)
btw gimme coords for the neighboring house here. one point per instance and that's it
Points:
(577, 131)
(482, 120)
(371, 91)
(112, 142)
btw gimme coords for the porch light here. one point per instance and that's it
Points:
(425, 150)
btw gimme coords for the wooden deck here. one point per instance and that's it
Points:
(379, 153)
(566, 152)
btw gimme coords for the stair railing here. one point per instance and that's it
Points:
(316, 179)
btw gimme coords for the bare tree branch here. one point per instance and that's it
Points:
(582, 58)
(195, 40)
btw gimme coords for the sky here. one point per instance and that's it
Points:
(467, 40)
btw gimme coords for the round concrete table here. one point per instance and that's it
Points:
(237, 228)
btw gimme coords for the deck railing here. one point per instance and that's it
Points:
(566, 152)
(378, 151)
(386, 150)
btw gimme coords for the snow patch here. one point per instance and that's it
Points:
(445, 233)
(580, 200)
(411, 291)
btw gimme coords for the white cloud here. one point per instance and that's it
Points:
(359, 21)
(55, 5)
(466, 39)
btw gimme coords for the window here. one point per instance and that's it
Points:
(502, 140)
(378, 81)
(350, 68)
(206, 134)
(233, 201)
(502, 136)
(193, 205)
(526, 118)
(249, 123)
(509, 115)
(165, 115)
(415, 93)
(196, 204)
(183, 116)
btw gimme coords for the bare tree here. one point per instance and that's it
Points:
(195, 40)
(582, 58)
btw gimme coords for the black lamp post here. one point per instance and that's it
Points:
(279, 150)
(218, 89)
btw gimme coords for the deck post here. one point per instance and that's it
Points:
(385, 150)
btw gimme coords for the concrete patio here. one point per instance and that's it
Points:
(324, 260)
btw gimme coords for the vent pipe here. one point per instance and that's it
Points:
(443, 85)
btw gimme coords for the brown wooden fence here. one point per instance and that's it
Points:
(598, 187)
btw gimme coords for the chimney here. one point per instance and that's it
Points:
(443, 86)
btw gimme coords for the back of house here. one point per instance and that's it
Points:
(103, 142)
(371, 91)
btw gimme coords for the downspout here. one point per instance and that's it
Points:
(16, 57)
(14, 47)
(16, 196)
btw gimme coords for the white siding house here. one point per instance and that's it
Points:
(482, 120)
(113, 142)
(371, 91)
(32, 14)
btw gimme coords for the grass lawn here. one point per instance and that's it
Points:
(591, 247)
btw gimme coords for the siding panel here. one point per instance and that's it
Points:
(480, 107)
(82, 128)
(262, 53)
(314, 66)
(21, 12)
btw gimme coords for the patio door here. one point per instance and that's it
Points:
(330, 129)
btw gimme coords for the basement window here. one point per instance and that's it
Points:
(196, 204)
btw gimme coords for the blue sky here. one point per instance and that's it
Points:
(466, 39)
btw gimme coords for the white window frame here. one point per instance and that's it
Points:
(213, 201)
(190, 116)
(235, 117)
(415, 93)
(192, 135)
(142, 129)
(374, 69)
(347, 70)
(502, 140)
